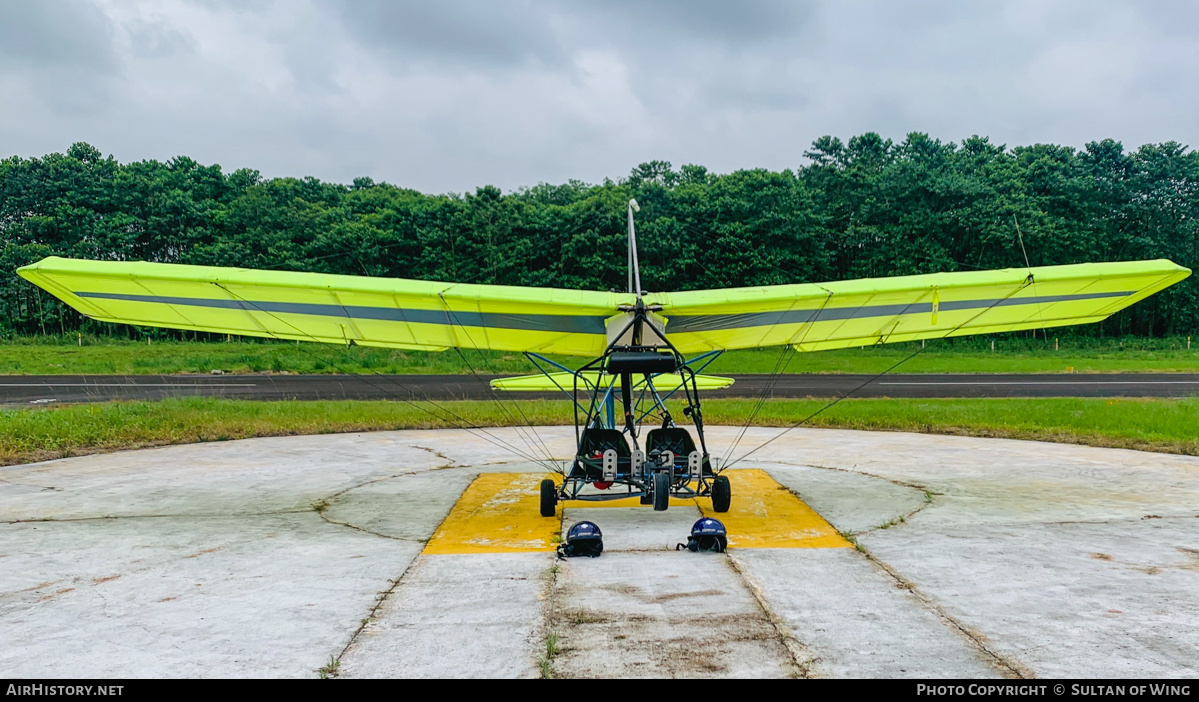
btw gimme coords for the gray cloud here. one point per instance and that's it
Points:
(55, 33)
(483, 35)
(61, 51)
(445, 96)
(154, 41)
(729, 24)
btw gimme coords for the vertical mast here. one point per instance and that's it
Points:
(634, 269)
(630, 258)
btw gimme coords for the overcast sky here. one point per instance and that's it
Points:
(448, 95)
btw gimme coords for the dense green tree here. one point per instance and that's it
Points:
(863, 207)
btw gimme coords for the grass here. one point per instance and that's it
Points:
(28, 435)
(99, 355)
(551, 651)
(329, 670)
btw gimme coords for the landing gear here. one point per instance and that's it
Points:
(661, 491)
(549, 498)
(609, 461)
(722, 493)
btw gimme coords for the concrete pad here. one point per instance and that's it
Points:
(855, 620)
(408, 506)
(1066, 600)
(850, 501)
(1014, 545)
(264, 557)
(221, 478)
(661, 614)
(457, 616)
(272, 596)
(636, 528)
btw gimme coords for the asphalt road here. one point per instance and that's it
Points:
(26, 390)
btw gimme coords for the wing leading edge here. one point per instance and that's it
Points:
(416, 314)
(339, 309)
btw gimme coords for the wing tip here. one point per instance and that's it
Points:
(29, 270)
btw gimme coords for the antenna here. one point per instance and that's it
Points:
(1019, 236)
(634, 268)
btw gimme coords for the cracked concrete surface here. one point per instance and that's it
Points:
(273, 557)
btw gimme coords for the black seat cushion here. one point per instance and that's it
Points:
(600, 440)
(674, 439)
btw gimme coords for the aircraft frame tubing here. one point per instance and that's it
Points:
(686, 479)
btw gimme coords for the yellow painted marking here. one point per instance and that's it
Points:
(498, 513)
(629, 502)
(764, 514)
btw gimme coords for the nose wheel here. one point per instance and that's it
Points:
(661, 491)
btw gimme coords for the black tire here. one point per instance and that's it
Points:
(647, 497)
(549, 498)
(722, 493)
(661, 491)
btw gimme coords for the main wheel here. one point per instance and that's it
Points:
(722, 493)
(661, 491)
(549, 498)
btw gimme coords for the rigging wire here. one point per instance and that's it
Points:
(780, 365)
(774, 377)
(782, 362)
(785, 359)
(1028, 281)
(463, 423)
(491, 391)
(520, 428)
(355, 256)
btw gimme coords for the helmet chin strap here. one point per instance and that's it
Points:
(708, 534)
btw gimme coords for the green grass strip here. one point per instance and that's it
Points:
(97, 355)
(28, 435)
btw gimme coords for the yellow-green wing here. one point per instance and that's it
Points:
(814, 317)
(387, 312)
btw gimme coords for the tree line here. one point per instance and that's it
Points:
(865, 207)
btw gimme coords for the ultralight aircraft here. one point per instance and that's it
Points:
(643, 346)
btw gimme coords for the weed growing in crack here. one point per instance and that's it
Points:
(551, 651)
(329, 670)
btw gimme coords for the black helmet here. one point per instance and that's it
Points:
(707, 534)
(582, 539)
